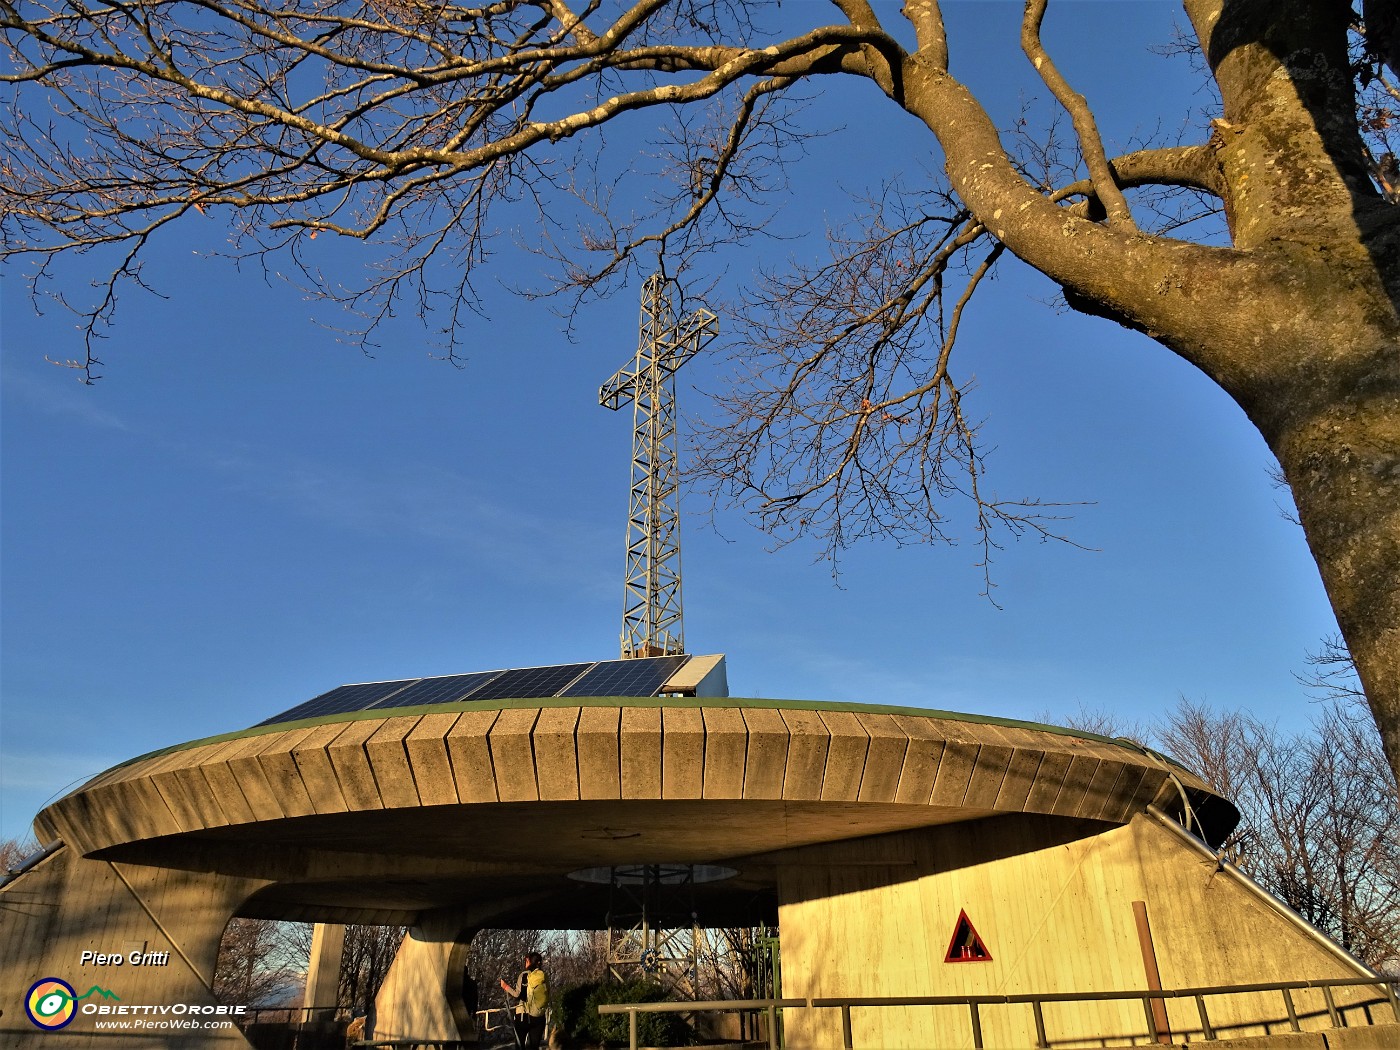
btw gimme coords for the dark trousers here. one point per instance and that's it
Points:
(529, 1031)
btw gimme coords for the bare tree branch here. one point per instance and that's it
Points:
(929, 30)
(1090, 143)
(414, 125)
(844, 420)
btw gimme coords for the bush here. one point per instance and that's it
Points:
(580, 1020)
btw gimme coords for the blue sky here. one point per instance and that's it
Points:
(246, 512)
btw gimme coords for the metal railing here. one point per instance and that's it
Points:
(1037, 1001)
(770, 1006)
(291, 1015)
(1154, 1034)
(485, 1025)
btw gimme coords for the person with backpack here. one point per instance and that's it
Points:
(531, 995)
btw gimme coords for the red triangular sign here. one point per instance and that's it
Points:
(966, 946)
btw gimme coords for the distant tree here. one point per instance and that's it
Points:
(369, 952)
(1331, 673)
(495, 954)
(1104, 723)
(575, 956)
(12, 851)
(1320, 816)
(364, 963)
(406, 123)
(259, 964)
(733, 963)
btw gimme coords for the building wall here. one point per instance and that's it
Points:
(114, 908)
(1053, 903)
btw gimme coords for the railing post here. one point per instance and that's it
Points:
(976, 1026)
(1331, 1006)
(1151, 1019)
(847, 1040)
(1292, 1010)
(1206, 1029)
(772, 1027)
(1040, 1039)
(632, 1028)
(1389, 987)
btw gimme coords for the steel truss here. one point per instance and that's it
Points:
(651, 616)
(652, 928)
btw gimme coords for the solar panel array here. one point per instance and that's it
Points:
(531, 681)
(626, 677)
(643, 677)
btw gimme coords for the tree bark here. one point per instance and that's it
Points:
(1297, 321)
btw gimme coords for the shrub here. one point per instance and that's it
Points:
(580, 1020)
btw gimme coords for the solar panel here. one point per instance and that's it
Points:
(531, 682)
(341, 699)
(643, 677)
(445, 690)
(626, 677)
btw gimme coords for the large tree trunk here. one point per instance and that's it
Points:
(1297, 320)
(1341, 455)
(1328, 403)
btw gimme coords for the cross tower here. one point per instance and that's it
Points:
(651, 614)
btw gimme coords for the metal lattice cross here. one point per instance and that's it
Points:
(651, 616)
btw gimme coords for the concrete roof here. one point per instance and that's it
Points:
(364, 817)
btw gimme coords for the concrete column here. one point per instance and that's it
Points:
(423, 986)
(323, 969)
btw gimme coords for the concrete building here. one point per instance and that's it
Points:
(901, 852)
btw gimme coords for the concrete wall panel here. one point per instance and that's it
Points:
(766, 754)
(641, 753)
(429, 756)
(1049, 779)
(1075, 786)
(809, 741)
(512, 755)
(556, 753)
(387, 751)
(217, 806)
(352, 770)
(1100, 789)
(224, 785)
(726, 743)
(599, 765)
(682, 753)
(954, 772)
(884, 760)
(921, 760)
(188, 810)
(845, 758)
(271, 757)
(313, 765)
(1020, 777)
(470, 751)
(984, 785)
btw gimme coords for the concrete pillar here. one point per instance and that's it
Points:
(421, 997)
(323, 971)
